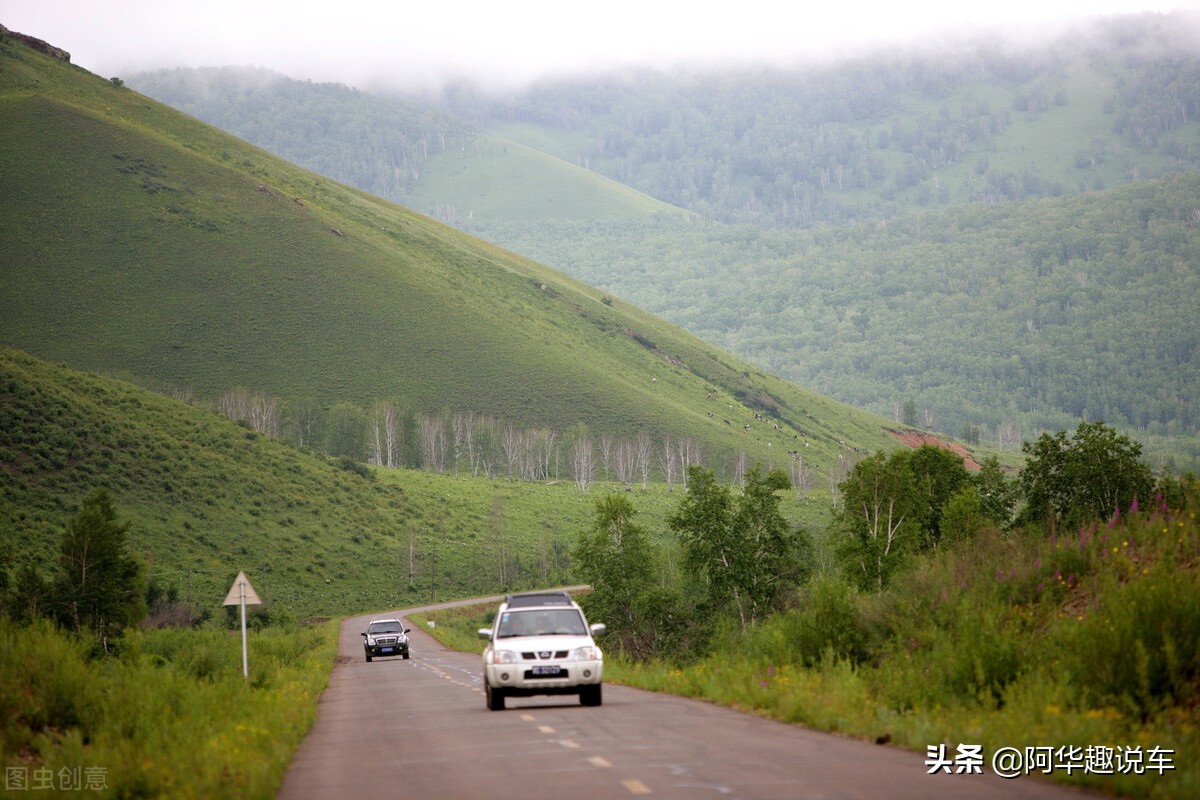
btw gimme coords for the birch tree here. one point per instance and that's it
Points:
(880, 519)
(668, 461)
(606, 453)
(582, 453)
(625, 461)
(742, 551)
(434, 445)
(645, 457)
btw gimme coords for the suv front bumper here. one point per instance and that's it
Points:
(540, 677)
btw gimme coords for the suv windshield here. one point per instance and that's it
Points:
(541, 622)
(384, 627)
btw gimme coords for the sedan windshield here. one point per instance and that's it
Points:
(384, 627)
(542, 622)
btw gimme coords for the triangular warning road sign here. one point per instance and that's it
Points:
(234, 597)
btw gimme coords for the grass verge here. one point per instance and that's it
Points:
(170, 716)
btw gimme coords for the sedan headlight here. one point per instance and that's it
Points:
(504, 657)
(589, 653)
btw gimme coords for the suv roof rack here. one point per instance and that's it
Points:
(530, 599)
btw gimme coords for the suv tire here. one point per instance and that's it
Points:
(590, 695)
(495, 697)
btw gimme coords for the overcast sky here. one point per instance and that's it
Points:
(420, 44)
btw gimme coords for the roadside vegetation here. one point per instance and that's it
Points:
(932, 614)
(166, 714)
(93, 696)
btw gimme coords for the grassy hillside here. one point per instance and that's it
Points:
(493, 177)
(142, 243)
(207, 497)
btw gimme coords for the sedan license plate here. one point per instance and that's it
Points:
(385, 649)
(547, 671)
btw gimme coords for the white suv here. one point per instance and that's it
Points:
(540, 643)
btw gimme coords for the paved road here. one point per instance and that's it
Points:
(419, 729)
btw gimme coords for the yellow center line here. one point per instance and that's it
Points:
(527, 717)
(598, 761)
(634, 786)
(545, 729)
(568, 743)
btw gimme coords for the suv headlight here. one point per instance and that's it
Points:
(504, 657)
(589, 653)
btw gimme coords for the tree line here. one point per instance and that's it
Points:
(471, 443)
(733, 558)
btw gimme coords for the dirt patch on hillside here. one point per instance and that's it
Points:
(915, 439)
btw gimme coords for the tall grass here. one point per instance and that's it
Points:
(170, 716)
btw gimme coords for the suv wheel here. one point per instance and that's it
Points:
(368, 655)
(495, 697)
(590, 695)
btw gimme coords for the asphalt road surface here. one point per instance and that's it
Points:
(419, 729)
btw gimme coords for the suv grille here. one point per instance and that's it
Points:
(544, 655)
(385, 640)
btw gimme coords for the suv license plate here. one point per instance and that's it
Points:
(553, 671)
(385, 649)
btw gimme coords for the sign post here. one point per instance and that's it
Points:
(243, 594)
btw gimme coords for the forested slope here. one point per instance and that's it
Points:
(1027, 315)
(845, 260)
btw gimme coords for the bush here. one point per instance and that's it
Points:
(1138, 651)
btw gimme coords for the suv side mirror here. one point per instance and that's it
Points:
(408, 630)
(598, 628)
(364, 633)
(485, 634)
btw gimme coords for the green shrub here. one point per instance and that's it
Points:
(828, 620)
(1138, 650)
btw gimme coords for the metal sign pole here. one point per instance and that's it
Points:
(245, 658)
(243, 594)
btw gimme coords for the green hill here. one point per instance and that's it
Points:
(420, 155)
(139, 242)
(495, 178)
(206, 497)
(320, 536)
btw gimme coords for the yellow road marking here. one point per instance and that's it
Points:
(527, 717)
(635, 786)
(569, 743)
(545, 729)
(599, 761)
